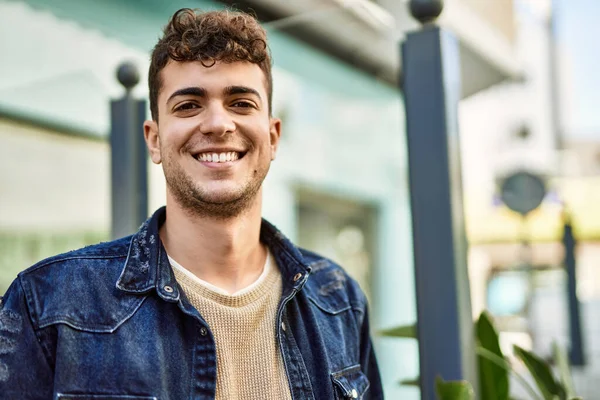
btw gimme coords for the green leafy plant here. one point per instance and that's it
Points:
(453, 390)
(562, 364)
(493, 375)
(541, 372)
(495, 369)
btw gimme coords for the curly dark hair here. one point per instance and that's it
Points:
(209, 37)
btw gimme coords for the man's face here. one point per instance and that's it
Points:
(214, 135)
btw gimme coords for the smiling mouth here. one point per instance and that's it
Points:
(221, 157)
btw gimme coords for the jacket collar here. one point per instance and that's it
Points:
(293, 267)
(147, 265)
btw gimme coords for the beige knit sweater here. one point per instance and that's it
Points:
(249, 362)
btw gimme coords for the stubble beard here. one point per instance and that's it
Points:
(198, 202)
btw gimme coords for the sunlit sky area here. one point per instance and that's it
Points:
(578, 34)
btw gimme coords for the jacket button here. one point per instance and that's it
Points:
(168, 289)
(283, 326)
(354, 394)
(203, 331)
(297, 276)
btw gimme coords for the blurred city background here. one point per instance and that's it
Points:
(529, 94)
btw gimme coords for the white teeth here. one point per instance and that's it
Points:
(219, 157)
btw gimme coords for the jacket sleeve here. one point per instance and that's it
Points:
(24, 369)
(369, 362)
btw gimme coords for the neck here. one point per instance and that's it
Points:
(224, 252)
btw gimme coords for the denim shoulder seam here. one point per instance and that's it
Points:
(46, 263)
(101, 328)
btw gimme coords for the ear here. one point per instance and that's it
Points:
(275, 135)
(152, 140)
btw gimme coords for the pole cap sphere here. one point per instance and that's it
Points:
(426, 10)
(128, 75)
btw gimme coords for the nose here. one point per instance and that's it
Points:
(216, 121)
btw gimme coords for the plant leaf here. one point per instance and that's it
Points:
(453, 390)
(411, 382)
(406, 331)
(562, 362)
(493, 379)
(503, 363)
(541, 373)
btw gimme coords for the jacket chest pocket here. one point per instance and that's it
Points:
(61, 396)
(350, 383)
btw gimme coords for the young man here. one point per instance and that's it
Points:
(206, 300)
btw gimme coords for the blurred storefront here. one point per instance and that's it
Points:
(339, 184)
(517, 126)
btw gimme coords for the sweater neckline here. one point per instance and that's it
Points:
(242, 297)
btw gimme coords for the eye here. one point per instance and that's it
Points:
(243, 104)
(186, 106)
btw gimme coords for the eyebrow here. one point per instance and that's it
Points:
(201, 92)
(231, 90)
(188, 91)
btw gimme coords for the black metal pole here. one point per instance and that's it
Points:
(576, 354)
(129, 181)
(431, 85)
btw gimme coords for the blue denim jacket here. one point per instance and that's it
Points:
(110, 322)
